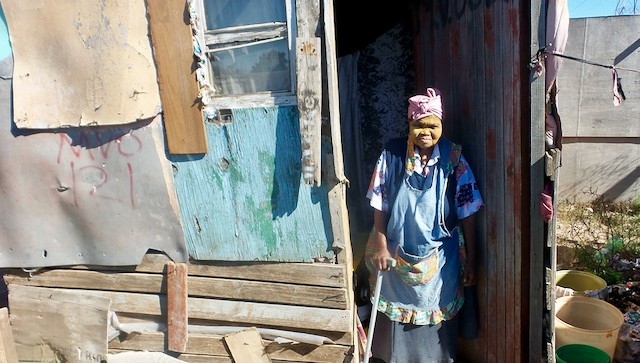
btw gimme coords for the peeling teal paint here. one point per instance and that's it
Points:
(217, 178)
(248, 196)
(263, 225)
(5, 43)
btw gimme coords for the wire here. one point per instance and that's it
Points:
(608, 66)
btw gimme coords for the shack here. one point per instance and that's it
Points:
(188, 177)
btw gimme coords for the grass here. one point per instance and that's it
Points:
(603, 236)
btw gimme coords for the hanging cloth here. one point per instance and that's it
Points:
(618, 93)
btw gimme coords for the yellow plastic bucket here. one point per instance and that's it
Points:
(587, 321)
(579, 281)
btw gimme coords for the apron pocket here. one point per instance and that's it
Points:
(415, 270)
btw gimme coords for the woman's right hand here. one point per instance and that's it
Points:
(381, 258)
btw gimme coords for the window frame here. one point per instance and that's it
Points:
(244, 33)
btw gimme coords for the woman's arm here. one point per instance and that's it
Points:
(379, 243)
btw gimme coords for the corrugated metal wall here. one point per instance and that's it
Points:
(477, 53)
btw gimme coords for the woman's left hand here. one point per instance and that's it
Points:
(469, 276)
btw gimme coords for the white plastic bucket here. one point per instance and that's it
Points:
(588, 321)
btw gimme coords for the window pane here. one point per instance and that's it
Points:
(226, 13)
(258, 68)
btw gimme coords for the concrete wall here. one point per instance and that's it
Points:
(601, 142)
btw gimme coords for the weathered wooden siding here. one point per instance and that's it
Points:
(245, 200)
(476, 53)
(291, 297)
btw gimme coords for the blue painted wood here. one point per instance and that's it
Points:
(245, 200)
(5, 44)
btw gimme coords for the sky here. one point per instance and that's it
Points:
(590, 8)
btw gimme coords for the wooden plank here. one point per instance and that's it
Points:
(58, 325)
(537, 330)
(196, 326)
(78, 279)
(552, 262)
(171, 36)
(335, 163)
(474, 133)
(512, 37)
(177, 317)
(236, 312)
(496, 269)
(191, 358)
(213, 346)
(271, 314)
(473, 136)
(198, 286)
(142, 357)
(279, 293)
(332, 90)
(246, 346)
(307, 17)
(319, 274)
(8, 352)
(309, 91)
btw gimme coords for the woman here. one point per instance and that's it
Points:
(424, 197)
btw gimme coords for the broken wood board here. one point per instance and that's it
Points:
(177, 314)
(214, 346)
(92, 66)
(246, 346)
(8, 352)
(198, 286)
(58, 325)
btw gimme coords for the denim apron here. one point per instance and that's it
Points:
(424, 288)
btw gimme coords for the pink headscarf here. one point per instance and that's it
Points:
(421, 106)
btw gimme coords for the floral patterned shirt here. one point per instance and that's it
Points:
(467, 197)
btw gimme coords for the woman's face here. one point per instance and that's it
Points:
(425, 132)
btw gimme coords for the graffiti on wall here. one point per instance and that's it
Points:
(87, 167)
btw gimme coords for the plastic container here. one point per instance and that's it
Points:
(588, 321)
(580, 353)
(579, 281)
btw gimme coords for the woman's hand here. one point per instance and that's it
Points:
(470, 268)
(469, 276)
(381, 258)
